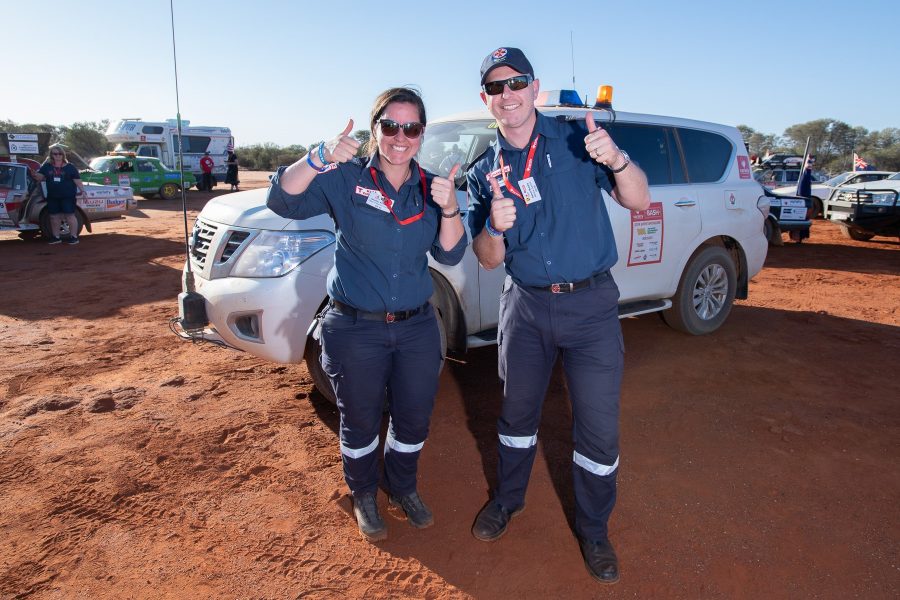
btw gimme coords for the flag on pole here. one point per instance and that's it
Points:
(858, 163)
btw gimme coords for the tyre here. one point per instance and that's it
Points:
(818, 208)
(29, 235)
(852, 234)
(773, 232)
(44, 221)
(705, 293)
(169, 191)
(313, 357)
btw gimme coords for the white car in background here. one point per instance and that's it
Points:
(821, 192)
(262, 277)
(867, 209)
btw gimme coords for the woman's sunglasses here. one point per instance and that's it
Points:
(411, 130)
(519, 82)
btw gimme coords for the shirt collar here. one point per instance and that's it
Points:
(375, 161)
(544, 126)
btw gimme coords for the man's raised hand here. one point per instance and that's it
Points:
(503, 209)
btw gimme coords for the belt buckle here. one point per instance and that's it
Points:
(389, 317)
(554, 287)
(560, 288)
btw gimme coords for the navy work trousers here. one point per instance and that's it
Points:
(365, 360)
(537, 326)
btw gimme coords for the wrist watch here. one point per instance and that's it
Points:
(625, 164)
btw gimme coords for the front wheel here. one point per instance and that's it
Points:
(705, 293)
(853, 234)
(168, 191)
(47, 232)
(313, 357)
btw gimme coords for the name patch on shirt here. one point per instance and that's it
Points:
(498, 172)
(364, 191)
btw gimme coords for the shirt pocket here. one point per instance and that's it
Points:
(370, 226)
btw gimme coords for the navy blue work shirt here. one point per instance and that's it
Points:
(564, 237)
(379, 265)
(60, 181)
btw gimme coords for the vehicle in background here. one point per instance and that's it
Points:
(159, 139)
(782, 161)
(787, 212)
(261, 277)
(146, 176)
(865, 210)
(24, 209)
(822, 191)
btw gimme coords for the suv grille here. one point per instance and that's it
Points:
(201, 238)
(234, 242)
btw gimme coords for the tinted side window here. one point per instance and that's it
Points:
(152, 129)
(651, 148)
(706, 154)
(193, 144)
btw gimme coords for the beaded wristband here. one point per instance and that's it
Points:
(314, 165)
(491, 231)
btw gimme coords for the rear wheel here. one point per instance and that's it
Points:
(852, 234)
(44, 222)
(168, 191)
(773, 232)
(818, 208)
(705, 293)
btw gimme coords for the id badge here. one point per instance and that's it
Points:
(375, 200)
(57, 179)
(529, 189)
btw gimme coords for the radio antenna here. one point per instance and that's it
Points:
(191, 305)
(572, 48)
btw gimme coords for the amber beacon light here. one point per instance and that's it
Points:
(604, 97)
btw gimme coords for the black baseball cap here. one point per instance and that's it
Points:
(506, 57)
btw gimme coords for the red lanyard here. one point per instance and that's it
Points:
(528, 163)
(390, 203)
(57, 171)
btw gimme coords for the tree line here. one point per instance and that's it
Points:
(832, 142)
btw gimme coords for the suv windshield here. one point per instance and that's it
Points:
(455, 142)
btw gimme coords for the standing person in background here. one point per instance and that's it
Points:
(379, 330)
(63, 186)
(231, 176)
(550, 226)
(206, 165)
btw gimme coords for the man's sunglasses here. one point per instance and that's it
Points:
(411, 130)
(519, 82)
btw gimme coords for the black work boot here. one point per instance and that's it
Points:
(600, 560)
(492, 521)
(371, 526)
(417, 512)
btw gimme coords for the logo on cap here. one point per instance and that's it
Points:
(499, 54)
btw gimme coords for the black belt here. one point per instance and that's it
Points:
(565, 288)
(384, 317)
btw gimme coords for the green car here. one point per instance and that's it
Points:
(145, 175)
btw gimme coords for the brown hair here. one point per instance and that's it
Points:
(397, 94)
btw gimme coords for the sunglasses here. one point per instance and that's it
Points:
(56, 154)
(411, 130)
(519, 82)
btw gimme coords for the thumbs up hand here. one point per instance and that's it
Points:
(503, 209)
(443, 190)
(599, 145)
(343, 147)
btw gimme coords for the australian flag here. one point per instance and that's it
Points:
(804, 184)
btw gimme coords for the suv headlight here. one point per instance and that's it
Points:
(277, 253)
(882, 197)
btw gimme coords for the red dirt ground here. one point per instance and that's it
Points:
(758, 462)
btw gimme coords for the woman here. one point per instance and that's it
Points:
(379, 332)
(231, 176)
(62, 182)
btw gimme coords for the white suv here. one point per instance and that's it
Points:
(689, 255)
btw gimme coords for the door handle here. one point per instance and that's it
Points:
(686, 202)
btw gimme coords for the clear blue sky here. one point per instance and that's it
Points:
(293, 72)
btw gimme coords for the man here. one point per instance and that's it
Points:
(206, 165)
(548, 222)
